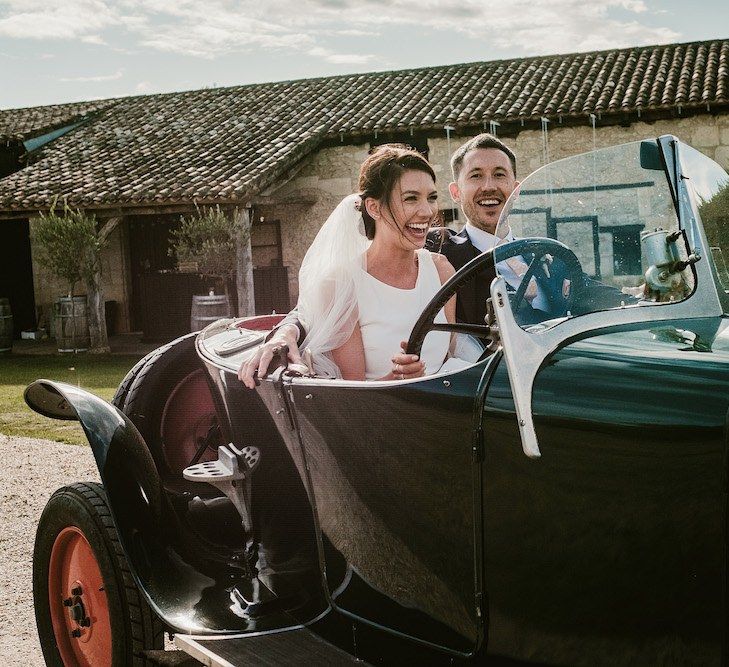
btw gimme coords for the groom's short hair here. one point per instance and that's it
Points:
(483, 140)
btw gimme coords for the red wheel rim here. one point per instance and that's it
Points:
(78, 603)
(187, 417)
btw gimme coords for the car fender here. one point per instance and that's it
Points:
(190, 592)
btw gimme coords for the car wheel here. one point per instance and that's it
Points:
(125, 385)
(169, 401)
(122, 390)
(89, 611)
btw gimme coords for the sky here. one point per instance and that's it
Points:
(55, 51)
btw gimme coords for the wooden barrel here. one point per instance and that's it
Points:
(72, 324)
(6, 326)
(206, 309)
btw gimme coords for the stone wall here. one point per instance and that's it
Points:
(707, 133)
(331, 174)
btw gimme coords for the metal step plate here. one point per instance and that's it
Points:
(291, 648)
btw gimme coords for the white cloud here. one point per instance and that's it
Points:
(143, 87)
(207, 28)
(340, 58)
(94, 79)
(54, 19)
(210, 28)
(93, 39)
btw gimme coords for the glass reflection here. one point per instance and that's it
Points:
(619, 241)
(709, 184)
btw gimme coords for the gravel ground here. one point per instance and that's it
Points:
(31, 471)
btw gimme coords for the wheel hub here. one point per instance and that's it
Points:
(77, 611)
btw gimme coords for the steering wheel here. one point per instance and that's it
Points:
(541, 251)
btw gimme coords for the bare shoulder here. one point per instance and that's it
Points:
(445, 268)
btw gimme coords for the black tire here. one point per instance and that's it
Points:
(122, 390)
(120, 396)
(134, 626)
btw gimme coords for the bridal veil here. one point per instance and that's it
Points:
(327, 305)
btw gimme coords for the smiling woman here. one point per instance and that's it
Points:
(367, 275)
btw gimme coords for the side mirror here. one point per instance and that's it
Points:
(650, 156)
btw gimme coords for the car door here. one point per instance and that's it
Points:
(396, 489)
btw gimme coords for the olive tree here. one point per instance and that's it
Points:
(217, 245)
(70, 243)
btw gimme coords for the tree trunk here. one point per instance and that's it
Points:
(244, 262)
(95, 295)
(97, 315)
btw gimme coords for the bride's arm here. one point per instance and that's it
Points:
(350, 357)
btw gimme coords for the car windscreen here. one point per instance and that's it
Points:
(612, 213)
(709, 185)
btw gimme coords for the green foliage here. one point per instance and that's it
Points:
(206, 241)
(715, 216)
(68, 244)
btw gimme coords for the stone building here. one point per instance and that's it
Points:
(289, 151)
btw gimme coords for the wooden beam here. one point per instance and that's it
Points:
(108, 226)
(244, 262)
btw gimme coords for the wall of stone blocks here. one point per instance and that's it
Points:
(707, 133)
(332, 174)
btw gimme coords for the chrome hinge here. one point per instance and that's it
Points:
(494, 339)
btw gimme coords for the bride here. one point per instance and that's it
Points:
(367, 276)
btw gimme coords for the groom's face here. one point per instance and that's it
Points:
(484, 184)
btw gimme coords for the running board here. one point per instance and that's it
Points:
(289, 648)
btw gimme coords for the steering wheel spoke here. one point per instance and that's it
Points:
(543, 252)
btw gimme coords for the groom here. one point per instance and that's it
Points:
(484, 173)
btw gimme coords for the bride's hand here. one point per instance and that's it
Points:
(405, 366)
(259, 362)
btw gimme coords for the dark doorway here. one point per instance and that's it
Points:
(270, 276)
(16, 273)
(161, 298)
(149, 242)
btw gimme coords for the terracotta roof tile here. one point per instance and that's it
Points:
(228, 144)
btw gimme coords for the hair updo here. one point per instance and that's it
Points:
(381, 172)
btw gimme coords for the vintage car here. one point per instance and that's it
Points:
(561, 499)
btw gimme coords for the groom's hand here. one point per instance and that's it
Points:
(257, 365)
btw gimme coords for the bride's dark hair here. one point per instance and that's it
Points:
(381, 172)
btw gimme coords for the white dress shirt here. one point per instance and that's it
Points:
(484, 241)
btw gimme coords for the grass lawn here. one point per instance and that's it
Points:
(99, 374)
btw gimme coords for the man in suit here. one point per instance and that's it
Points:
(484, 176)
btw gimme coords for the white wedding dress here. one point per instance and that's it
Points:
(336, 294)
(387, 315)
